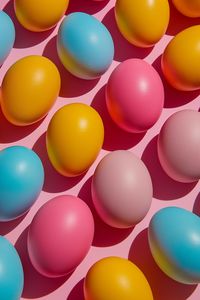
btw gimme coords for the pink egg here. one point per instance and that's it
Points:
(121, 189)
(135, 95)
(179, 146)
(60, 236)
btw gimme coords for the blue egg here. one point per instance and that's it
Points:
(85, 46)
(11, 272)
(21, 181)
(174, 239)
(7, 36)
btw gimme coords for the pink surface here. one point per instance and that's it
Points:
(107, 241)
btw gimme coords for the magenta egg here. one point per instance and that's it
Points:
(179, 146)
(135, 95)
(60, 236)
(121, 189)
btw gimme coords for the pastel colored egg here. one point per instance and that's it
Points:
(142, 22)
(7, 36)
(182, 71)
(60, 236)
(179, 144)
(29, 89)
(188, 8)
(116, 278)
(174, 235)
(121, 189)
(11, 275)
(85, 50)
(21, 181)
(74, 138)
(135, 95)
(36, 15)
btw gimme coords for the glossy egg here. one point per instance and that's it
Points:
(29, 89)
(116, 278)
(7, 36)
(142, 22)
(11, 275)
(121, 189)
(85, 46)
(181, 60)
(174, 238)
(36, 15)
(21, 181)
(60, 235)
(74, 138)
(179, 146)
(189, 8)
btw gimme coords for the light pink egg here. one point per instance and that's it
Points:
(60, 236)
(121, 189)
(135, 95)
(179, 146)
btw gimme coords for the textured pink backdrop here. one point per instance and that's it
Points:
(107, 241)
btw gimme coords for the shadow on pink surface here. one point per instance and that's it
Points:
(115, 138)
(54, 182)
(105, 235)
(123, 49)
(162, 286)
(196, 207)
(173, 97)
(164, 188)
(77, 292)
(71, 86)
(87, 6)
(179, 22)
(35, 285)
(6, 227)
(25, 38)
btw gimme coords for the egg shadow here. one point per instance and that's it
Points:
(173, 97)
(71, 86)
(53, 182)
(164, 187)
(35, 285)
(77, 291)
(115, 138)
(179, 22)
(104, 235)
(123, 49)
(163, 287)
(24, 38)
(87, 6)
(6, 227)
(196, 206)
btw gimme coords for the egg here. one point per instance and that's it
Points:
(142, 22)
(74, 138)
(21, 181)
(116, 278)
(121, 189)
(36, 15)
(134, 95)
(29, 89)
(179, 146)
(181, 60)
(11, 275)
(60, 235)
(85, 46)
(174, 238)
(7, 36)
(189, 8)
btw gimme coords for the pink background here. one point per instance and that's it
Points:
(107, 241)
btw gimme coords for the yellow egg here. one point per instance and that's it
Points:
(40, 15)
(181, 60)
(189, 8)
(115, 278)
(74, 138)
(142, 22)
(29, 90)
